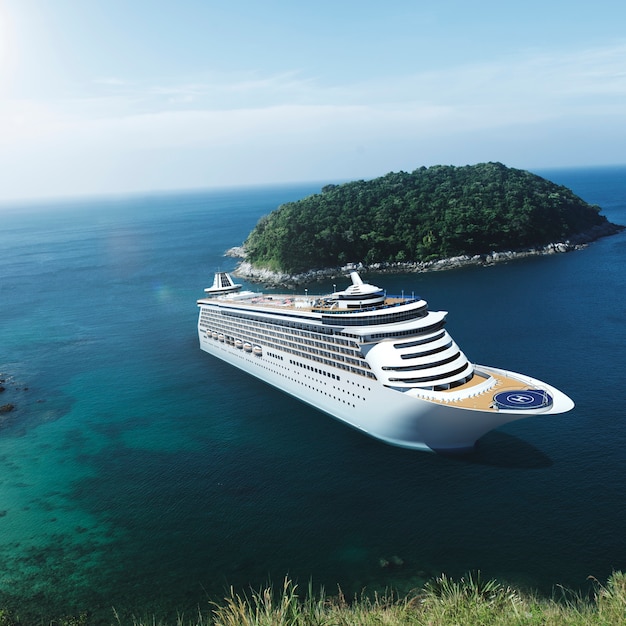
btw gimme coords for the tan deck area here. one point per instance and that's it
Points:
(483, 400)
(293, 302)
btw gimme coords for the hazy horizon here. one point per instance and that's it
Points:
(113, 196)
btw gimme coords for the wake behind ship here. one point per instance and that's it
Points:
(384, 365)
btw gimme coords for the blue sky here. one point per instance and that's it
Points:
(115, 96)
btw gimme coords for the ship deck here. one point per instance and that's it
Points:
(309, 304)
(482, 400)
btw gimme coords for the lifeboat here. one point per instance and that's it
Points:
(257, 350)
(247, 347)
(214, 335)
(238, 343)
(221, 337)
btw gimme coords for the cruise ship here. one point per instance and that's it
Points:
(382, 364)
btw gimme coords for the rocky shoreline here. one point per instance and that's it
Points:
(279, 279)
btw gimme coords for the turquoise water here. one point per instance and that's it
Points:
(139, 473)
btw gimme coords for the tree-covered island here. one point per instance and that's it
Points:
(429, 214)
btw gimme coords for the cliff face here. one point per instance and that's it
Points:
(420, 217)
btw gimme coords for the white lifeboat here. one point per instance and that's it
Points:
(238, 343)
(257, 350)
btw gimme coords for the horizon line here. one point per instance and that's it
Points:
(17, 201)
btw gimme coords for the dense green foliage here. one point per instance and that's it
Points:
(431, 213)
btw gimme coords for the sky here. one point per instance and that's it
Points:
(117, 96)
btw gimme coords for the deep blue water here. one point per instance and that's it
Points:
(140, 473)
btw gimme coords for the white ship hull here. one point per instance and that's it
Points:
(391, 416)
(384, 392)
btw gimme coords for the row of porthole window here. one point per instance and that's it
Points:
(316, 370)
(295, 380)
(289, 346)
(333, 360)
(287, 341)
(323, 335)
(356, 370)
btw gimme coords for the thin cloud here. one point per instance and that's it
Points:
(288, 127)
(536, 86)
(110, 81)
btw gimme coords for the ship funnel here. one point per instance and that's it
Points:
(359, 294)
(356, 279)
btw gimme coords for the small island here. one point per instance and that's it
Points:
(420, 220)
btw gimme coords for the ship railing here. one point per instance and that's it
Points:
(379, 307)
(403, 296)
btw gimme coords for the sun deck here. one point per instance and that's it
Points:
(483, 396)
(301, 303)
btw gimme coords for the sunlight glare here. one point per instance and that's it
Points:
(5, 45)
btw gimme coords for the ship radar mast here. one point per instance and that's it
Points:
(358, 294)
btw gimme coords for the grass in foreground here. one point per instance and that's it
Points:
(442, 602)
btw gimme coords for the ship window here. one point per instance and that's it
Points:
(420, 331)
(413, 368)
(426, 379)
(416, 355)
(418, 342)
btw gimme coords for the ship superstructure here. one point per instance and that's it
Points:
(382, 364)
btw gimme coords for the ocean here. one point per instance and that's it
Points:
(140, 474)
